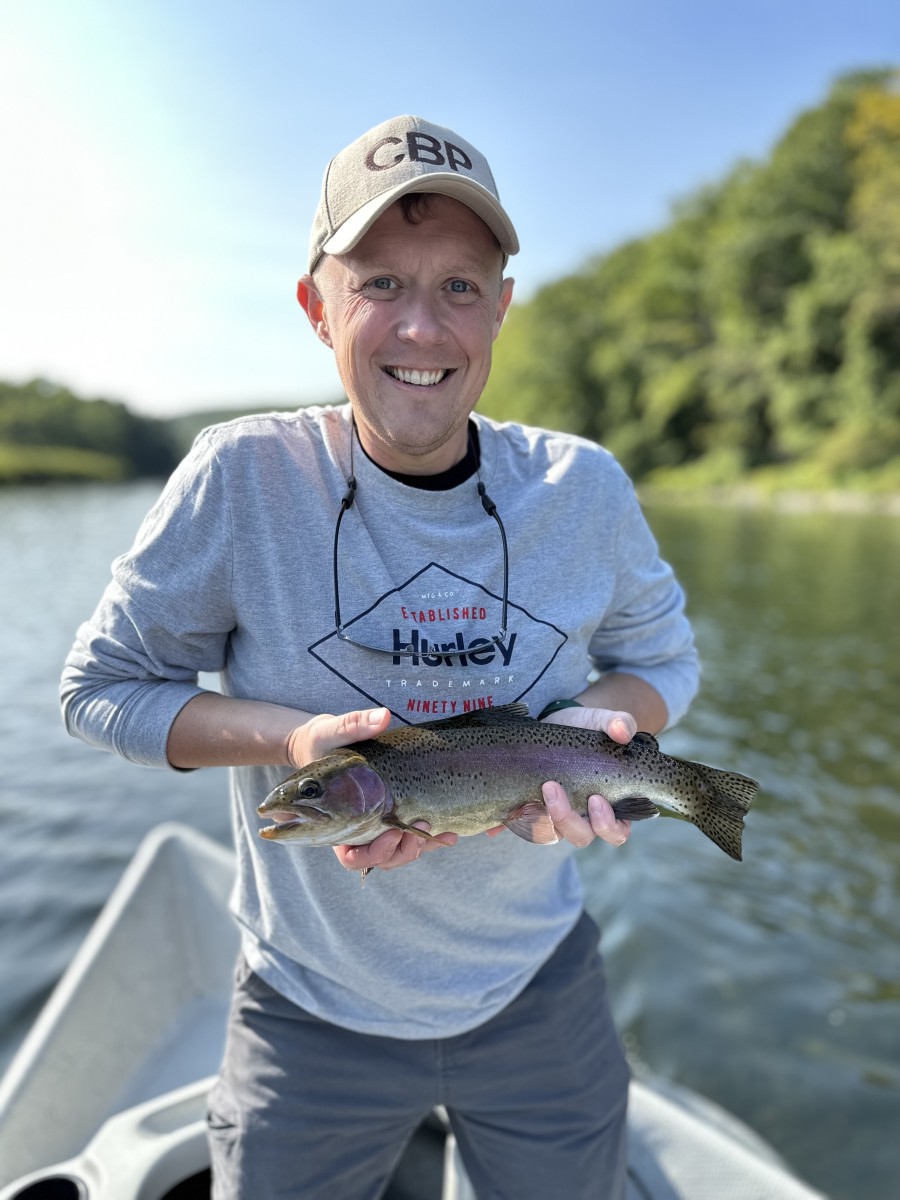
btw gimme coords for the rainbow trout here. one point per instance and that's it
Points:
(472, 772)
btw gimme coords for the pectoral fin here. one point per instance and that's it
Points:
(396, 823)
(531, 821)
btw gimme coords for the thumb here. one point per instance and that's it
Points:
(325, 733)
(620, 726)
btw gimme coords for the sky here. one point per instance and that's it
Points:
(162, 159)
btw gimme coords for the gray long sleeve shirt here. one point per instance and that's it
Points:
(231, 573)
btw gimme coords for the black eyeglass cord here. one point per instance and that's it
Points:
(491, 509)
(347, 502)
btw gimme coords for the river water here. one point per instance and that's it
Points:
(771, 986)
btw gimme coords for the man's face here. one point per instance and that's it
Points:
(411, 314)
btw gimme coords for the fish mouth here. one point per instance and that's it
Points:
(288, 820)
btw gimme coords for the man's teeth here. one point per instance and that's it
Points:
(419, 378)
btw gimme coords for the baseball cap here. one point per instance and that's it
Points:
(404, 154)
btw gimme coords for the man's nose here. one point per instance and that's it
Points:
(422, 321)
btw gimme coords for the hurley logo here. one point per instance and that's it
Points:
(421, 148)
(453, 665)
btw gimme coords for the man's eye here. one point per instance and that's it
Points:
(382, 283)
(460, 286)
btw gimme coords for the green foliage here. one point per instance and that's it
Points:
(541, 359)
(758, 332)
(184, 429)
(46, 432)
(44, 464)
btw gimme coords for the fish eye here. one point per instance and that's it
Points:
(309, 789)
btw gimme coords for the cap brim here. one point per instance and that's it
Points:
(472, 194)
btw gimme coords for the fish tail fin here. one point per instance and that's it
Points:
(728, 797)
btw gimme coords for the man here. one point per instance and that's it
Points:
(397, 559)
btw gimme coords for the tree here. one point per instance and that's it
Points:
(42, 415)
(758, 329)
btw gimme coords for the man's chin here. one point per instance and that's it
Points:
(408, 442)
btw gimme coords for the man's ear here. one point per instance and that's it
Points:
(313, 305)
(506, 291)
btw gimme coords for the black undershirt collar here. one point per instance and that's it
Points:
(444, 480)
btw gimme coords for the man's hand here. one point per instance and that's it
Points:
(391, 849)
(601, 820)
(324, 733)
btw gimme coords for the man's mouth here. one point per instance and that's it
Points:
(416, 377)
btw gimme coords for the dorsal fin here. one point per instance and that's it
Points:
(503, 714)
(645, 739)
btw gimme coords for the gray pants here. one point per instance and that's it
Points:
(536, 1096)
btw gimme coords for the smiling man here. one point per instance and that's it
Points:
(411, 312)
(384, 561)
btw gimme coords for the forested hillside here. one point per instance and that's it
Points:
(758, 332)
(46, 432)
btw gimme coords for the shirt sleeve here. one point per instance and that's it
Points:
(165, 616)
(645, 631)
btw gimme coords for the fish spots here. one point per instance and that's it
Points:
(468, 772)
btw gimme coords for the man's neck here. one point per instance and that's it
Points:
(439, 481)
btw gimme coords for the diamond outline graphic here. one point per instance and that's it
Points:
(312, 649)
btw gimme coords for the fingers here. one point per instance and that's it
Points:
(325, 732)
(391, 849)
(620, 726)
(364, 858)
(604, 824)
(601, 820)
(567, 823)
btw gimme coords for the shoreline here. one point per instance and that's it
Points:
(830, 500)
(852, 501)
